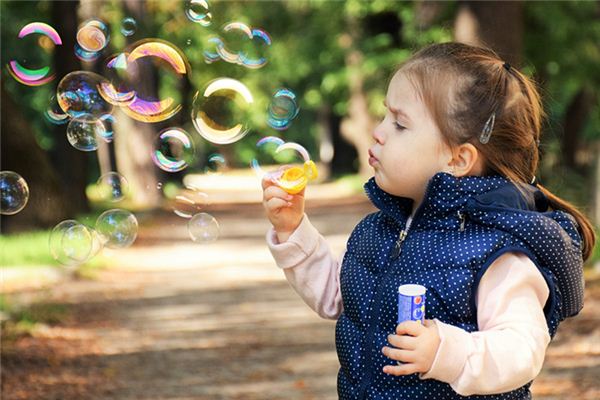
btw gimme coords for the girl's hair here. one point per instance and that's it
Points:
(462, 86)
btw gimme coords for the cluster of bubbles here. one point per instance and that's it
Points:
(73, 243)
(14, 193)
(239, 44)
(85, 102)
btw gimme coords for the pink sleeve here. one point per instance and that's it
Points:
(310, 268)
(509, 348)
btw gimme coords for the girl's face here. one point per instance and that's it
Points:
(408, 148)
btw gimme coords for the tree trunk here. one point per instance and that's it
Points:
(134, 140)
(494, 24)
(71, 164)
(574, 122)
(48, 203)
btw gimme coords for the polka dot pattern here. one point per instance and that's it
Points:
(462, 225)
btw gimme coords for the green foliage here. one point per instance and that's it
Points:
(25, 249)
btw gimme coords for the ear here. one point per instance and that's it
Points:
(466, 160)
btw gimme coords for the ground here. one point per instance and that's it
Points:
(171, 319)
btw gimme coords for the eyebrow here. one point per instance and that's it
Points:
(396, 111)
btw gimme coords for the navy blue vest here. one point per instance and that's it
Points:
(460, 228)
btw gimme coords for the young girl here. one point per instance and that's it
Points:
(501, 257)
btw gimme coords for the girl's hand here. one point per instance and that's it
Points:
(285, 211)
(415, 345)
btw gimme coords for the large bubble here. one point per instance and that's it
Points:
(203, 228)
(117, 89)
(282, 109)
(173, 150)
(198, 11)
(14, 193)
(240, 44)
(93, 35)
(112, 186)
(77, 95)
(26, 74)
(162, 56)
(117, 228)
(83, 133)
(220, 112)
(72, 243)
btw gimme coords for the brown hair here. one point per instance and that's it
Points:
(462, 85)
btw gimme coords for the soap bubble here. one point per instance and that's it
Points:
(84, 55)
(14, 192)
(190, 201)
(72, 243)
(220, 111)
(210, 52)
(215, 164)
(117, 228)
(108, 121)
(198, 11)
(203, 228)
(25, 74)
(128, 26)
(173, 150)
(253, 55)
(77, 95)
(93, 35)
(282, 109)
(112, 186)
(266, 154)
(117, 89)
(83, 133)
(54, 114)
(156, 53)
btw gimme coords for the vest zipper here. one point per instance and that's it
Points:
(401, 237)
(462, 218)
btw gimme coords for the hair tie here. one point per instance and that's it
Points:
(506, 66)
(534, 181)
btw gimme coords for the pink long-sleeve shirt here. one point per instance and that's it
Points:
(510, 301)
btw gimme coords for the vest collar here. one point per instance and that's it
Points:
(446, 194)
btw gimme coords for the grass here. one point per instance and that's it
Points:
(25, 249)
(18, 322)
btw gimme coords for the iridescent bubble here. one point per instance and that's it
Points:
(266, 153)
(93, 35)
(83, 133)
(77, 95)
(173, 150)
(117, 89)
(215, 164)
(34, 76)
(282, 109)
(254, 55)
(117, 228)
(112, 186)
(72, 243)
(220, 112)
(203, 228)
(235, 37)
(128, 26)
(86, 56)
(54, 114)
(210, 52)
(14, 193)
(190, 201)
(160, 52)
(198, 11)
(108, 121)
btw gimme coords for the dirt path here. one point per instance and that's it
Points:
(175, 320)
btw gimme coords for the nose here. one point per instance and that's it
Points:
(378, 134)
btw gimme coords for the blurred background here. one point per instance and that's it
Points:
(170, 316)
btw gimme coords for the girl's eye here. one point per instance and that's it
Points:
(398, 126)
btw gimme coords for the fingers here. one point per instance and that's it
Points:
(399, 354)
(275, 204)
(398, 370)
(276, 192)
(412, 328)
(402, 342)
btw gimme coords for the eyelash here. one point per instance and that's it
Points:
(398, 126)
